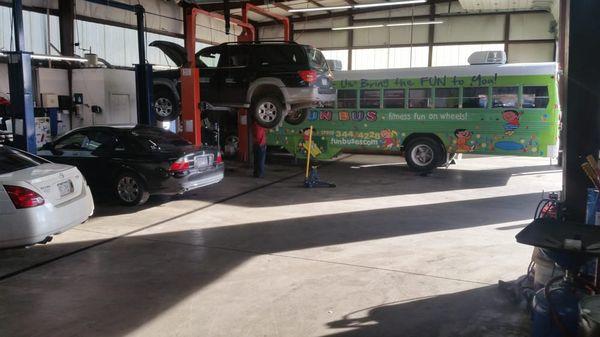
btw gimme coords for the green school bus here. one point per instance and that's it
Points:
(430, 114)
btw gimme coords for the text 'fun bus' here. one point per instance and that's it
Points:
(429, 114)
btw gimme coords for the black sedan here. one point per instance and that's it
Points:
(136, 161)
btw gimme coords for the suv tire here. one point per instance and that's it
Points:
(296, 117)
(165, 106)
(267, 111)
(423, 154)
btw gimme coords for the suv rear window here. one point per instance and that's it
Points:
(14, 160)
(316, 60)
(157, 139)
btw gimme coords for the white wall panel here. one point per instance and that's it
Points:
(407, 57)
(402, 34)
(4, 80)
(530, 26)
(371, 36)
(471, 28)
(340, 54)
(407, 11)
(331, 39)
(456, 55)
(38, 3)
(382, 58)
(326, 23)
(530, 52)
(272, 33)
(5, 29)
(35, 26)
(454, 8)
(389, 35)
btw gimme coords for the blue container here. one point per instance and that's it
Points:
(565, 303)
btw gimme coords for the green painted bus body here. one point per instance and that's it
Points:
(473, 130)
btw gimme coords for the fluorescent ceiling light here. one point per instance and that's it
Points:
(377, 4)
(58, 58)
(163, 67)
(357, 27)
(393, 3)
(318, 9)
(390, 25)
(418, 23)
(53, 57)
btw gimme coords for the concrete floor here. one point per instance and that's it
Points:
(386, 253)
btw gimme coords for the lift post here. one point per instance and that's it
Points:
(21, 86)
(190, 75)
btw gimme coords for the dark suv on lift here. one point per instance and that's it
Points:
(273, 79)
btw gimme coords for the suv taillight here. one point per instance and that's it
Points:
(308, 76)
(180, 165)
(23, 197)
(219, 159)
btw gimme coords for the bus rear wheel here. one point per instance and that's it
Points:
(423, 154)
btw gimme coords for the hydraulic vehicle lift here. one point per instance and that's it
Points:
(190, 75)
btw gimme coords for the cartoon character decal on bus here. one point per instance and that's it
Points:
(315, 151)
(463, 136)
(512, 121)
(389, 139)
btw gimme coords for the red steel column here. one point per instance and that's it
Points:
(190, 82)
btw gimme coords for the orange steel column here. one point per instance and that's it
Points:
(190, 82)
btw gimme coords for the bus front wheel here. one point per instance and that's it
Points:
(423, 154)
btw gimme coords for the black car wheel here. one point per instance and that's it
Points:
(423, 154)
(267, 111)
(130, 189)
(166, 107)
(296, 117)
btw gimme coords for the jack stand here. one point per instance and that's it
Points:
(313, 179)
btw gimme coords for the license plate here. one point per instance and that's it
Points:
(65, 188)
(201, 161)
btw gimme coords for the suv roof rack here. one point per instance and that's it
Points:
(261, 42)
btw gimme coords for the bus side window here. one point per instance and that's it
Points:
(535, 97)
(370, 99)
(505, 97)
(346, 99)
(475, 97)
(419, 98)
(393, 98)
(446, 98)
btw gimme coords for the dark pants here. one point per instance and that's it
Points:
(260, 155)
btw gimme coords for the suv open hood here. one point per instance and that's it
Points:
(175, 52)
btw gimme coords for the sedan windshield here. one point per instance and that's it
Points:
(156, 139)
(13, 160)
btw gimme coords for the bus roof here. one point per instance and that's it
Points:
(511, 69)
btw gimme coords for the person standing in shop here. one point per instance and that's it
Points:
(259, 140)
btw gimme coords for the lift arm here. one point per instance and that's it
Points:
(287, 30)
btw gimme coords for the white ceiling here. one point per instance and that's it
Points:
(493, 5)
